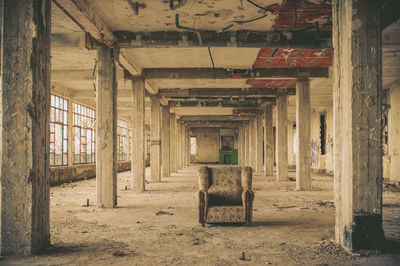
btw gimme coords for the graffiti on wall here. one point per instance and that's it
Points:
(315, 151)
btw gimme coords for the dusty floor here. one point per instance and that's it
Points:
(289, 227)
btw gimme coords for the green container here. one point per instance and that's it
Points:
(228, 157)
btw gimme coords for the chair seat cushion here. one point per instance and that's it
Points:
(224, 195)
(225, 214)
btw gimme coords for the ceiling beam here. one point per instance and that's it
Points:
(222, 73)
(226, 103)
(221, 92)
(187, 118)
(211, 38)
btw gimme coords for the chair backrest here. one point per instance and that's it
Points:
(226, 177)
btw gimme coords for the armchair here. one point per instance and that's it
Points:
(225, 195)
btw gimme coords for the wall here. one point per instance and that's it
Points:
(322, 163)
(207, 145)
(394, 133)
(65, 174)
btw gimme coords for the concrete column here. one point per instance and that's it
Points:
(291, 140)
(129, 136)
(240, 160)
(268, 142)
(155, 137)
(24, 124)
(165, 138)
(139, 137)
(187, 152)
(253, 146)
(183, 145)
(281, 136)
(357, 129)
(106, 129)
(247, 144)
(259, 144)
(172, 144)
(178, 145)
(303, 136)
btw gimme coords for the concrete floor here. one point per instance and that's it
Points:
(289, 227)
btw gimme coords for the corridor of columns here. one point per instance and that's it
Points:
(109, 108)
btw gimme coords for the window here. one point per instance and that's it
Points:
(122, 141)
(58, 131)
(323, 134)
(192, 145)
(84, 134)
(130, 141)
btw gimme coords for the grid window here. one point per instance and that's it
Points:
(58, 131)
(84, 120)
(122, 146)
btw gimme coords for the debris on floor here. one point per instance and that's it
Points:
(164, 213)
(118, 253)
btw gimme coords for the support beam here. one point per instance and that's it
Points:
(178, 136)
(208, 103)
(239, 38)
(222, 92)
(106, 129)
(155, 138)
(268, 142)
(281, 137)
(259, 144)
(172, 141)
(247, 145)
(188, 118)
(222, 73)
(187, 152)
(253, 145)
(25, 104)
(165, 141)
(138, 141)
(303, 130)
(183, 145)
(357, 130)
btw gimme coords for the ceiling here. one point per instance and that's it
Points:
(283, 28)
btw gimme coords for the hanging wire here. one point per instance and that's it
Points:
(212, 60)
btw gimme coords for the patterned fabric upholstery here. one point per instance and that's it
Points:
(225, 194)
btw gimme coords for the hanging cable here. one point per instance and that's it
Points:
(188, 29)
(212, 60)
(261, 7)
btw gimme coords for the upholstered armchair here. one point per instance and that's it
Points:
(225, 195)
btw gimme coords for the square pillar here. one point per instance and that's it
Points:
(178, 136)
(165, 138)
(138, 135)
(240, 140)
(259, 144)
(253, 145)
(172, 144)
(106, 129)
(303, 135)
(281, 136)
(155, 138)
(357, 98)
(25, 140)
(247, 144)
(187, 152)
(268, 141)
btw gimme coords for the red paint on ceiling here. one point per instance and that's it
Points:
(303, 15)
(269, 57)
(271, 83)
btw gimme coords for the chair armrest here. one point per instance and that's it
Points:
(203, 177)
(202, 196)
(247, 201)
(247, 177)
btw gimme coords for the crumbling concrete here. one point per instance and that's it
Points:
(165, 140)
(138, 140)
(25, 101)
(106, 129)
(357, 111)
(155, 132)
(303, 132)
(281, 137)
(268, 142)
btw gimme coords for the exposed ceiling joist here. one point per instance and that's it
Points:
(222, 73)
(222, 92)
(187, 118)
(210, 38)
(241, 104)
